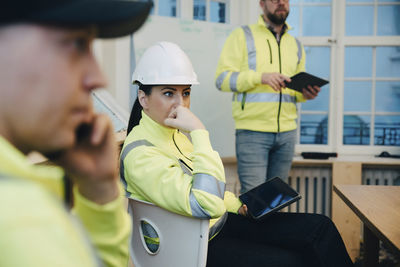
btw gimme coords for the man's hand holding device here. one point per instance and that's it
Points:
(307, 84)
(274, 79)
(311, 92)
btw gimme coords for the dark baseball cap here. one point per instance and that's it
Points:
(113, 18)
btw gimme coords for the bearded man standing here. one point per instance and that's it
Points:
(255, 63)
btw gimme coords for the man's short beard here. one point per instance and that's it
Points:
(277, 20)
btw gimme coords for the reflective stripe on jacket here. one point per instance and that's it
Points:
(248, 52)
(160, 165)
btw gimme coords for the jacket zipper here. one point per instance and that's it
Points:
(244, 95)
(280, 92)
(173, 139)
(180, 160)
(184, 163)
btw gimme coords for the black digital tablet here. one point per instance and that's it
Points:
(269, 197)
(303, 79)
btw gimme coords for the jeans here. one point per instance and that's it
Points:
(262, 156)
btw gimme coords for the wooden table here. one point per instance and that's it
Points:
(345, 169)
(378, 207)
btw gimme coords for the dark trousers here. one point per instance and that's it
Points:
(281, 239)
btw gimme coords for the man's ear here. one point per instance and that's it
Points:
(142, 97)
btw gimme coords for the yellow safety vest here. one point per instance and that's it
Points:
(160, 165)
(248, 52)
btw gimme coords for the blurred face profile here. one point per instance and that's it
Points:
(275, 10)
(163, 99)
(47, 74)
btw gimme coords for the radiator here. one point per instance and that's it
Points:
(380, 176)
(314, 185)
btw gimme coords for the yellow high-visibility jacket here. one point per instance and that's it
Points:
(160, 165)
(36, 229)
(248, 52)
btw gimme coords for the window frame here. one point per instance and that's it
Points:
(179, 10)
(208, 7)
(338, 41)
(246, 12)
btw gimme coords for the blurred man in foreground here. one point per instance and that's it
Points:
(47, 71)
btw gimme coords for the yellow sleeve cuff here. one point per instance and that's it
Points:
(300, 97)
(100, 218)
(108, 225)
(257, 78)
(232, 203)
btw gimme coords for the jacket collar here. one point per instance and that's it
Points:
(15, 164)
(162, 133)
(166, 138)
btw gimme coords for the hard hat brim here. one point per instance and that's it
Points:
(113, 18)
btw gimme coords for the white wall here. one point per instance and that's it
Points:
(202, 41)
(114, 57)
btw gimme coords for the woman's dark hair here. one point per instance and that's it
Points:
(136, 113)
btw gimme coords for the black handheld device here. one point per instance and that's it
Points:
(303, 79)
(82, 133)
(269, 197)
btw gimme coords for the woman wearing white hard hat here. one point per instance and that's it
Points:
(161, 165)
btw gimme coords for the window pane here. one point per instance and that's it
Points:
(316, 1)
(387, 97)
(320, 103)
(167, 8)
(359, 20)
(199, 9)
(294, 20)
(360, 1)
(318, 63)
(217, 12)
(358, 62)
(318, 60)
(356, 130)
(388, 61)
(314, 129)
(389, 20)
(387, 130)
(360, 91)
(317, 21)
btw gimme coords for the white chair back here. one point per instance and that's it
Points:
(183, 241)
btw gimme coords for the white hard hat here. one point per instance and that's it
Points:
(164, 63)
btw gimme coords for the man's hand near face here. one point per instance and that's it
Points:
(92, 163)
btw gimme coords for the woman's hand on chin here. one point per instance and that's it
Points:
(183, 119)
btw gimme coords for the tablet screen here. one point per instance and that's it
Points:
(302, 80)
(268, 197)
